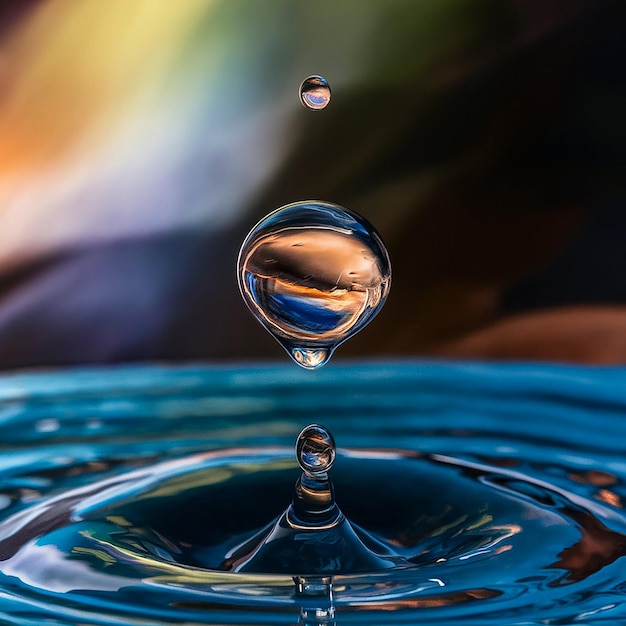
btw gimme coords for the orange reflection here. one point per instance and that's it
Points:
(598, 547)
(594, 477)
(328, 259)
(445, 599)
(604, 495)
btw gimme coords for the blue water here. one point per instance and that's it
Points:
(299, 312)
(501, 488)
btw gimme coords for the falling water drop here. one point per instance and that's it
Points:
(314, 274)
(315, 93)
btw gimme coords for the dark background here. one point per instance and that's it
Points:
(485, 140)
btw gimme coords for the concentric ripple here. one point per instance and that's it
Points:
(498, 488)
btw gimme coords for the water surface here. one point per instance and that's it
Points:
(499, 487)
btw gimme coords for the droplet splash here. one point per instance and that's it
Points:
(312, 537)
(313, 274)
(315, 93)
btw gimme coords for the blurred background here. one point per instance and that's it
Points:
(140, 141)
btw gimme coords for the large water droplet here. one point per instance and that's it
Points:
(315, 93)
(314, 274)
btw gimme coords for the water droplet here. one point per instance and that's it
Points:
(315, 93)
(309, 358)
(314, 274)
(315, 449)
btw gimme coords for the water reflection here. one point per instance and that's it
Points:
(598, 547)
(527, 541)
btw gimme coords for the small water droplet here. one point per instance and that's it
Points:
(330, 275)
(310, 358)
(315, 93)
(315, 449)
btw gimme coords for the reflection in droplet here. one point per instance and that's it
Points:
(315, 93)
(310, 358)
(315, 449)
(313, 274)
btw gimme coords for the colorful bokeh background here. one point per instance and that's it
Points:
(139, 142)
